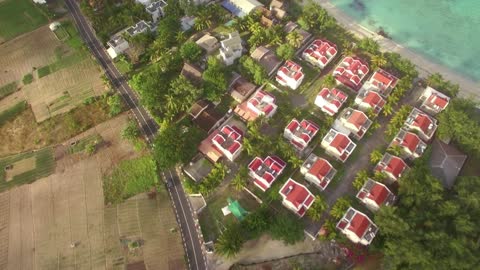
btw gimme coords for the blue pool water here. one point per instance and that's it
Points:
(446, 31)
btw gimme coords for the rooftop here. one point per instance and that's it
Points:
(267, 59)
(300, 133)
(381, 82)
(392, 164)
(320, 52)
(330, 101)
(446, 161)
(350, 72)
(376, 192)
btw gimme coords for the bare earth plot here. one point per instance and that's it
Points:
(19, 56)
(39, 222)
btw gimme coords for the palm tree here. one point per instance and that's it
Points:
(295, 39)
(360, 179)
(379, 60)
(295, 161)
(329, 81)
(395, 150)
(171, 102)
(435, 79)
(203, 20)
(379, 176)
(340, 207)
(240, 180)
(375, 156)
(316, 210)
(387, 109)
(180, 38)
(230, 241)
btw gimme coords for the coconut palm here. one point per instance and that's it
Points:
(379, 60)
(360, 179)
(395, 150)
(230, 241)
(329, 81)
(318, 207)
(387, 109)
(295, 161)
(375, 156)
(295, 39)
(340, 207)
(240, 180)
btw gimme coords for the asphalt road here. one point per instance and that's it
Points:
(184, 214)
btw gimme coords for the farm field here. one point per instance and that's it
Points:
(44, 218)
(18, 17)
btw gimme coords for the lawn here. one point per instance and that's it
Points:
(27, 79)
(12, 112)
(44, 165)
(129, 178)
(8, 89)
(18, 17)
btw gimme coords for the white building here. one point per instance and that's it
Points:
(156, 9)
(231, 48)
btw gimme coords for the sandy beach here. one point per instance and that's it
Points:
(468, 87)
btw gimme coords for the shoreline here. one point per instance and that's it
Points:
(468, 87)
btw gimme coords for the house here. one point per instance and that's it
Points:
(355, 121)
(369, 100)
(318, 171)
(198, 168)
(381, 82)
(240, 88)
(320, 53)
(410, 143)
(446, 162)
(229, 141)
(139, 28)
(392, 166)
(338, 145)
(300, 133)
(266, 21)
(117, 45)
(296, 197)
(292, 26)
(421, 122)
(265, 171)
(433, 101)
(260, 104)
(278, 9)
(350, 72)
(330, 101)
(357, 227)
(290, 74)
(277, 4)
(241, 8)
(156, 10)
(375, 194)
(192, 73)
(187, 22)
(231, 48)
(209, 43)
(205, 116)
(267, 59)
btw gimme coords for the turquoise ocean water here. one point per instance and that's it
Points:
(445, 31)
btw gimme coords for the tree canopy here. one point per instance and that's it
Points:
(285, 51)
(215, 79)
(191, 52)
(252, 70)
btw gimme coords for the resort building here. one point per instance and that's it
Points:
(369, 100)
(260, 104)
(381, 82)
(446, 162)
(338, 145)
(231, 48)
(208, 42)
(241, 8)
(290, 74)
(205, 116)
(139, 28)
(265, 172)
(300, 133)
(410, 144)
(350, 72)
(330, 101)
(117, 45)
(375, 194)
(267, 59)
(433, 101)
(320, 53)
(318, 171)
(355, 121)
(156, 10)
(229, 141)
(357, 227)
(296, 197)
(424, 124)
(240, 89)
(392, 166)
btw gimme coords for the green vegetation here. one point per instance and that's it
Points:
(43, 71)
(241, 178)
(191, 52)
(27, 79)
(44, 166)
(18, 17)
(85, 143)
(397, 121)
(210, 182)
(132, 134)
(215, 79)
(252, 70)
(8, 89)
(129, 178)
(437, 81)
(115, 104)
(285, 51)
(12, 112)
(360, 179)
(318, 207)
(123, 65)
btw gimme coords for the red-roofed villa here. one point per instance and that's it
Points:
(318, 171)
(290, 74)
(410, 143)
(265, 172)
(338, 145)
(296, 197)
(228, 141)
(375, 194)
(320, 53)
(330, 101)
(357, 227)
(355, 121)
(369, 100)
(300, 133)
(392, 166)
(421, 122)
(433, 101)
(381, 82)
(350, 72)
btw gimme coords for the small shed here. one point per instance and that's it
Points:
(54, 26)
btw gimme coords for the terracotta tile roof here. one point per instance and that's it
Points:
(320, 168)
(359, 224)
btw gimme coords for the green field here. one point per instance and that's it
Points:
(27, 79)
(44, 166)
(82, 144)
(18, 17)
(8, 89)
(13, 111)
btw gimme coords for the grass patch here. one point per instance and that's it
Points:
(27, 79)
(10, 113)
(43, 71)
(130, 177)
(61, 33)
(123, 66)
(82, 144)
(44, 166)
(8, 89)
(18, 17)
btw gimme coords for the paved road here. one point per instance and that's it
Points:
(183, 211)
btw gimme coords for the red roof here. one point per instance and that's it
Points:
(260, 184)
(438, 100)
(351, 72)
(395, 166)
(372, 98)
(358, 119)
(295, 193)
(292, 126)
(423, 122)
(411, 141)
(378, 193)
(359, 224)
(320, 168)
(340, 142)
